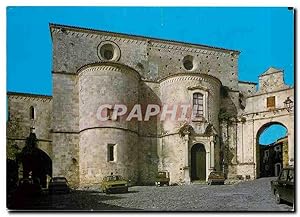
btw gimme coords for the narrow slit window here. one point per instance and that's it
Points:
(32, 113)
(111, 152)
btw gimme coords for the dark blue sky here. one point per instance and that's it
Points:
(263, 35)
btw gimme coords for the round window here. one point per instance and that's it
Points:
(188, 65)
(188, 62)
(108, 54)
(108, 51)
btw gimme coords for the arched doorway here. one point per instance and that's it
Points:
(271, 149)
(39, 164)
(35, 162)
(198, 162)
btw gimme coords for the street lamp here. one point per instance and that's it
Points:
(288, 104)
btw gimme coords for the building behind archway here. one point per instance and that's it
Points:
(273, 157)
(92, 67)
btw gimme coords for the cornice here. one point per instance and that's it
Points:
(108, 66)
(188, 76)
(259, 93)
(140, 40)
(29, 96)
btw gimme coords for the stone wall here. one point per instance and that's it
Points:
(20, 122)
(258, 102)
(285, 153)
(65, 160)
(247, 88)
(149, 135)
(93, 155)
(172, 157)
(149, 157)
(155, 59)
(65, 102)
(65, 126)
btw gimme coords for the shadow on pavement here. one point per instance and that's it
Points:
(77, 200)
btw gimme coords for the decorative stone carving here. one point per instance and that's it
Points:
(210, 130)
(271, 80)
(185, 129)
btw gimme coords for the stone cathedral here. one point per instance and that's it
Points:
(91, 68)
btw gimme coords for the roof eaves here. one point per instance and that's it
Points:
(11, 93)
(84, 29)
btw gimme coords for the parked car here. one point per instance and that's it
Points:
(162, 178)
(58, 185)
(216, 177)
(114, 184)
(283, 188)
(29, 187)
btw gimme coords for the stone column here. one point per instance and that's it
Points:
(212, 152)
(232, 142)
(187, 179)
(208, 169)
(291, 140)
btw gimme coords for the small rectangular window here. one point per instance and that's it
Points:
(111, 152)
(271, 102)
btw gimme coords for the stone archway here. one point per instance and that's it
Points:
(198, 162)
(39, 164)
(35, 162)
(260, 155)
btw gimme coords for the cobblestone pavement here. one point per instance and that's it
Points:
(245, 196)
